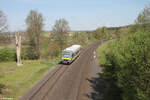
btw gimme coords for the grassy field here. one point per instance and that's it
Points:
(7, 46)
(16, 81)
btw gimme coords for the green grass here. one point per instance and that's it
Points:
(18, 80)
(7, 46)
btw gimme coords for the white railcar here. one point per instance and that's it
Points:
(70, 54)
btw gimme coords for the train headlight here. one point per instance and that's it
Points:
(70, 59)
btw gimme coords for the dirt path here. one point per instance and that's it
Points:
(77, 81)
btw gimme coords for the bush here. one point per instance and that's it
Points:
(51, 51)
(7, 54)
(127, 67)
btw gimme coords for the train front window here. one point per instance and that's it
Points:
(67, 54)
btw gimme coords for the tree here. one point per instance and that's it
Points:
(3, 22)
(80, 38)
(100, 33)
(35, 24)
(60, 32)
(144, 16)
(18, 48)
(4, 34)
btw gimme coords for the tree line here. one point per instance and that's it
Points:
(36, 43)
(126, 62)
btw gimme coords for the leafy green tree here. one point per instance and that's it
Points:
(82, 38)
(3, 22)
(142, 22)
(4, 34)
(60, 32)
(144, 16)
(101, 33)
(127, 67)
(97, 33)
(35, 24)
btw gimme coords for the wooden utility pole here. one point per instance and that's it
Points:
(18, 49)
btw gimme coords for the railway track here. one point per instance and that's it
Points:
(85, 70)
(55, 75)
(65, 82)
(81, 79)
(56, 79)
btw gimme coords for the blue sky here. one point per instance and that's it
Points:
(81, 14)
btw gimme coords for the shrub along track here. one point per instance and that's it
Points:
(65, 82)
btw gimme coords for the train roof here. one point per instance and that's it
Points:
(73, 48)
